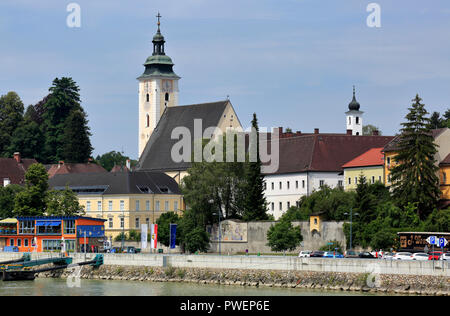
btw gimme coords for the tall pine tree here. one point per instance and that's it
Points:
(64, 98)
(414, 178)
(255, 205)
(76, 145)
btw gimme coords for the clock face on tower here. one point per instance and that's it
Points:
(167, 86)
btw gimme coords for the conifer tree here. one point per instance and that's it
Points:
(76, 143)
(255, 205)
(414, 178)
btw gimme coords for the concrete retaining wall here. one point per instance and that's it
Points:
(287, 263)
(257, 238)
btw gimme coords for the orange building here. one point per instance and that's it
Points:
(49, 233)
(444, 168)
(442, 140)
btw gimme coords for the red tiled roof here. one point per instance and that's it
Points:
(65, 168)
(372, 157)
(446, 161)
(324, 152)
(393, 145)
(13, 170)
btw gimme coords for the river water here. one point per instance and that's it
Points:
(59, 287)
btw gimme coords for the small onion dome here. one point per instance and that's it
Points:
(354, 105)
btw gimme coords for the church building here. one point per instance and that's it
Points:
(160, 114)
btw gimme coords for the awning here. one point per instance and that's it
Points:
(48, 223)
(9, 221)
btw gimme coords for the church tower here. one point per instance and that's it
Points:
(354, 116)
(158, 88)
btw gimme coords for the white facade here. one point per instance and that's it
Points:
(153, 95)
(285, 190)
(355, 122)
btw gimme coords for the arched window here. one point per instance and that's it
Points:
(349, 120)
(357, 120)
(167, 97)
(148, 120)
(148, 97)
(357, 133)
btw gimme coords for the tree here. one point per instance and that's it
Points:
(76, 143)
(164, 222)
(63, 203)
(11, 115)
(113, 158)
(283, 236)
(436, 121)
(191, 233)
(64, 98)
(369, 129)
(32, 200)
(7, 195)
(255, 204)
(414, 178)
(28, 140)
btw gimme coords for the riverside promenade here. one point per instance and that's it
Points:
(275, 263)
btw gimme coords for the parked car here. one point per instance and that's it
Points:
(365, 255)
(420, 256)
(304, 254)
(435, 255)
(388, 255)
(130, 250)
(316, 254)
(351, 254)
(331, 254)
(446, 256)
(403, 256)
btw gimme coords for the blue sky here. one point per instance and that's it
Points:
(293, 62)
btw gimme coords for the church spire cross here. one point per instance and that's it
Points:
(159, 17)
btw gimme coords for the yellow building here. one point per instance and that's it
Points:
(442, 140)
(444, 170)
(125, 199)
(370, 165)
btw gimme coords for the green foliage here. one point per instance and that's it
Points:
(333, 203)
(196, 240)
(334, 244)
(63, 203)
(113, 158)
(11, 115)
(77, 145)
(164, 222)
(369, 129)
(283, 236)
(7, 196)
(121, 236)
(32, 200)
(414, 177)
(255, 205)
(438, 221)
(134, 235)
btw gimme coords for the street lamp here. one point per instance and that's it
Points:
(220, 230)
(351, 221)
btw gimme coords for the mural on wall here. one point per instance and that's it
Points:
(230, 231)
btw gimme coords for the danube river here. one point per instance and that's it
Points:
(59, 287)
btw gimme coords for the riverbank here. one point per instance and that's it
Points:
(337, 281)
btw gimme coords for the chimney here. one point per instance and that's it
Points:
(90, 160)
(60, 163)
(128, 164)
(349, 132)
(375, 133)
(17, 157)
(316, 131)
(6, 182)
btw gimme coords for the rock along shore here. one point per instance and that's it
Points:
(364, 282)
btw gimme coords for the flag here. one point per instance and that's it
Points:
(144, 232)
(154, 236)
(173, 235)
